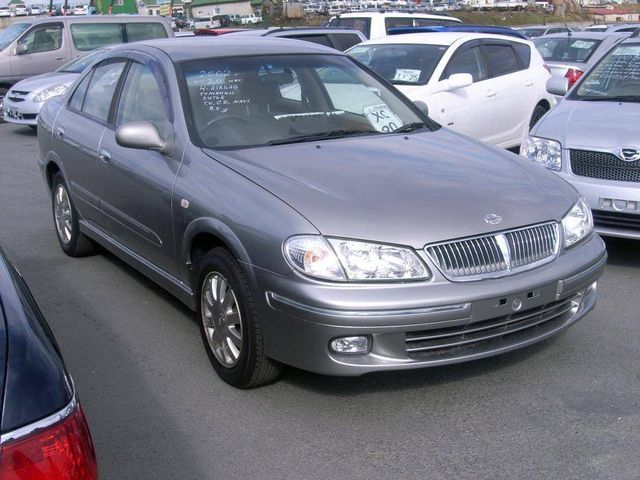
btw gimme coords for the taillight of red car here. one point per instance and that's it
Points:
(573, 74)
(61, 451)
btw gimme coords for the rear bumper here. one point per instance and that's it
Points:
(416, 325)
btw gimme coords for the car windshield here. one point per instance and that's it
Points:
(77, 65)
(615, 78)
(268, 100)
(400, 64)
(577, 50)
(532, 32)
(9, 34)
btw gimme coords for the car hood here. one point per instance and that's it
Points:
(46, 80)
(406, 190)
(592, 125)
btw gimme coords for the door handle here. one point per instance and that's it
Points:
(528, 83)
(60, 58)
(59, 133)
(104, 157)
(492, 93)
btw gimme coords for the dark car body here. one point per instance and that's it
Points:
(37, 392)
(339, 38)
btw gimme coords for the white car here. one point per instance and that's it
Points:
(377, 24)
(35, 10)
(21, 10)
(490, 87)
(80, 10)
(5, 12)
(250, 20)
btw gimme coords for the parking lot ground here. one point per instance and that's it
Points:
(568, 408)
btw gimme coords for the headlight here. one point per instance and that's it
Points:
(353, 260)
(547, 153)
(577, 224)
(50, 92)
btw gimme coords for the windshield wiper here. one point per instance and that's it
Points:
(410, 127)
(618, 98)
(321, 136)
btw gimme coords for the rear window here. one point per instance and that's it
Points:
(89, 36)
(577, 50)
(319, 39)
(344, 41)
(144, 31)
(532, 32)
(359, 23)
(400, 64)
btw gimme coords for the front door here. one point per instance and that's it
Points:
(45, 50)
(136, 185)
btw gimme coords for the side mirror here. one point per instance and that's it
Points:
(459, 80)
(140, 135)
(422, 107)
(558, 86)
(21, 49)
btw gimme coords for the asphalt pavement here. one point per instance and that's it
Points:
(568, 408)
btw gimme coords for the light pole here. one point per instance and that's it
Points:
(187, 4)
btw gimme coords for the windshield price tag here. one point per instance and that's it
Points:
(407, 75)
(382, 118)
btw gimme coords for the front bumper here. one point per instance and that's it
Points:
(422, 324)
(615, 205)
(23, 112)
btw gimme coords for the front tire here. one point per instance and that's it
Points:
(65, 219)
(229, 323)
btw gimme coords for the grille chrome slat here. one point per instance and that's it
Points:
(487, 256)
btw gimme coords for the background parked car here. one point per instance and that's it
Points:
(5, 12)
(534, 31)
(378, 24)
(569, 55)
(490, 87)
(23, 101)
(614, 28)
(32, 47)
(592, 139)
(43, 431)
(339, 38)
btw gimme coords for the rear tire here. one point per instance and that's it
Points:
(65, 220)
(229, 323)
(538, 113)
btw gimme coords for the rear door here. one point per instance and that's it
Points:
(513, 89)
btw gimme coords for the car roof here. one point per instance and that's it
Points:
(182, 49)
(586, 35)
(280, 31)
(396, 14)
(439, 38)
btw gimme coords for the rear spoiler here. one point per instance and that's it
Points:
(459, 28)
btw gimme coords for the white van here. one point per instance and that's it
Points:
(377, 24)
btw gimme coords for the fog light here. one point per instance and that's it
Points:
(351, 345)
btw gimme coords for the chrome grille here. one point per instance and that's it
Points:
(497, 254)
(605, 166)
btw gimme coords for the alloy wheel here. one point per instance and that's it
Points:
(63, 214)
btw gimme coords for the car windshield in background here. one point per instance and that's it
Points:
(615, 78)
(575, 50)
(532, 32)
(77, 65)
(260, 100)
(9, 34)
(400, 64)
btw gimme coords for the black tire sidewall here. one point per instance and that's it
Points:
(538, 113)
(219, 260)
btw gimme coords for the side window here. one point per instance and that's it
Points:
(524, 53)
(393, 22)
(101, 89)
(319, 39)
(141, 99)
(344, 41)
(144, 31)
(89, 36)
(502, 59)
(467, 60)
(77, 98)
(43, 39)
(426, 22)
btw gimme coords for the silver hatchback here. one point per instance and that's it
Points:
(309, 213)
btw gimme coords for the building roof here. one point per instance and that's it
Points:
(201, 3)
(606, 11)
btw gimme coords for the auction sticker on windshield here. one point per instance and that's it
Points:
(407, 75)
(382, 118)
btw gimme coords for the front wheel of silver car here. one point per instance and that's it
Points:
(65, 219)
(229, 323)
